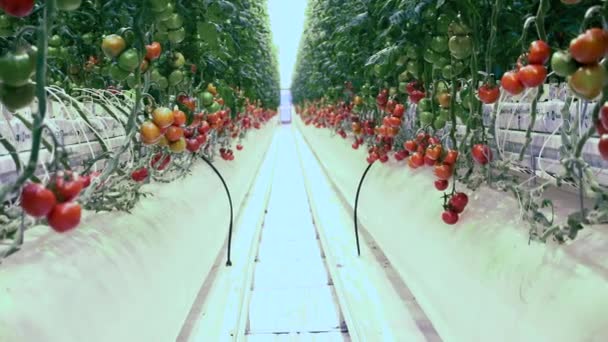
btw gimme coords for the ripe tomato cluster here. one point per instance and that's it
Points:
(530, 71)
(454, 207)
(165, 129)
(415, 90)
(56, 200)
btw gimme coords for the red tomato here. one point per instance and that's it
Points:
(416, 96)
(416, 160)
(488, 94)
(394, 121)
(449, 217)
(204, 127)
(17, 8)
(604, 116)
(64, 217)
(539, 52)
(160, 161)
(443, 171)
(153, 51)
(603, 146)
(589, 47)
(192, 145)
(37, 200)
(434, 152)
(201, 138)
(239, 147)
(399, 110)
(451, 157)
(511, 83)
(410, 145)
(428, 161)
(67, 185)
(532, 75)
(458, 202)
(441, 184)
(140, 174)
(482, 154)
(599, 128)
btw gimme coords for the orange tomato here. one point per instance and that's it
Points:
(174, 133)
(163, 117)
(179, 118)
(150, 133)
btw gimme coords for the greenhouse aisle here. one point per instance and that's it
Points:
(292, 293)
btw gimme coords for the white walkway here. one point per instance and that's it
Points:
(293, 297)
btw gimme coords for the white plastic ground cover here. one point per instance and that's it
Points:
(126, 277)
(480, 280)
(372, 308)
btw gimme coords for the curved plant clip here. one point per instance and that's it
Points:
(357, 205)
(217, 172)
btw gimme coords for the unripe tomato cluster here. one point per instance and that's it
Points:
(17, 68)
(56, 200)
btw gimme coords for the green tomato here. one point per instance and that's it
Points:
(178, 60)
(206, 98)
(439, 44)
(443, 23)
(460, 46)
(411, 52)
(163, 83)
(68, 5)
(426, 118)
(131, 81)
(403, 87)
(441, 62)
(177, 36)
(161, 36)
(392, 91)
(563, 64)
(401, 61)
(15, 98)
(55, 41)
(176, 77)
(158, 5)
(5, 21)
(88, 38)
(447, 72)
(17, 68)
(174, 22)
(404, 76)
(155, 75)
(457, 28)
(439, 122)
(430, 56)
(215, 107)
(129, 60)
(414, 68)
(425, 105)
(165, 13)
(117, 73)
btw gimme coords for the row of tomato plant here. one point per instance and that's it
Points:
(411, 78)
(184, 80)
